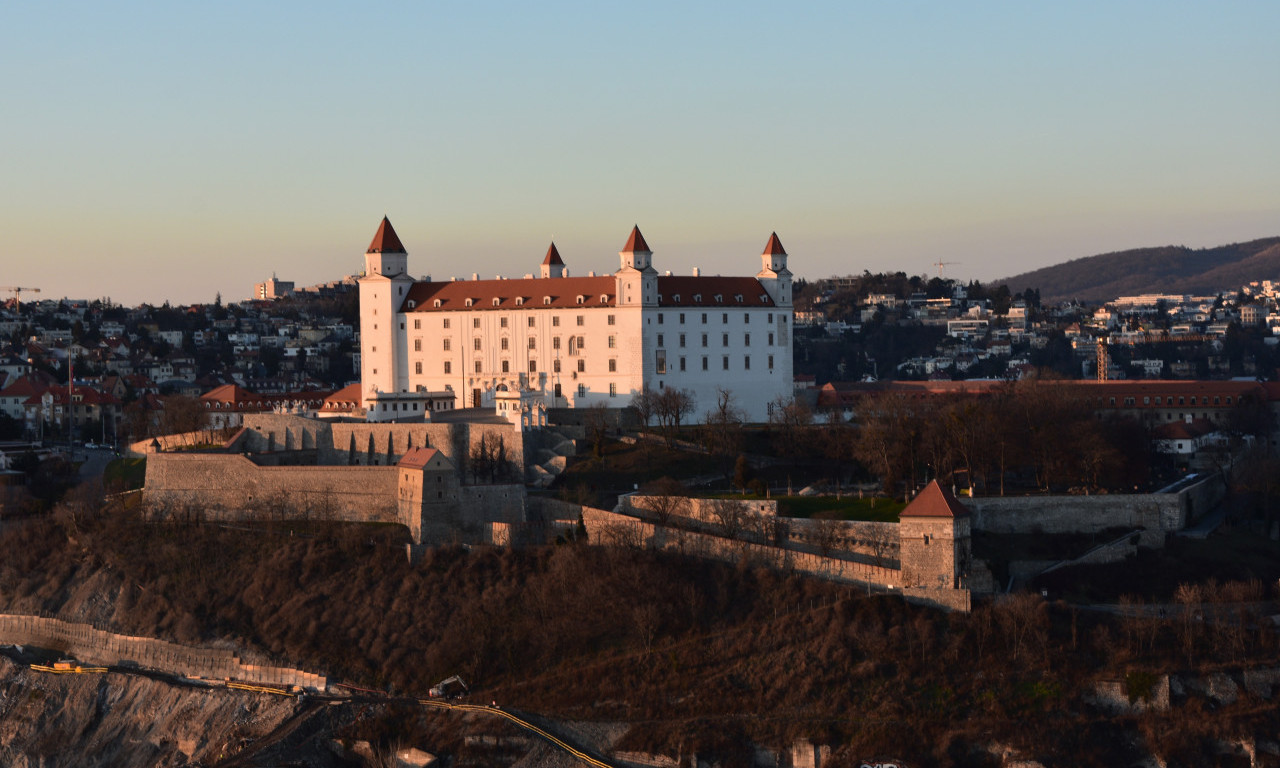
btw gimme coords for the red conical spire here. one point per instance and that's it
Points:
(635, 242)
(386, 241)
(553, 256)
(774, 246)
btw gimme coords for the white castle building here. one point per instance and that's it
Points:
(575, 341)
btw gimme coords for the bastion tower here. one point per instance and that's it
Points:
(383, 353)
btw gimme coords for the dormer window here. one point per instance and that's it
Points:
(412, 303)
(497, 301)
(470, 302)
(764, 298)
(604, 298)
(581, 298)
(546, 300)
(697, 298)
(675, 298)
(438, 304)
(738, 298)
(519, 301)
(719, 298)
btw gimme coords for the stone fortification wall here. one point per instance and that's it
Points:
(376, 444)
(871, 539)
(90, 644)
(605, 527)
(231, 486)
(204, 437)
(1155, 513)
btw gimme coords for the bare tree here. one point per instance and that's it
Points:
(672, 406)
(596, 422)
(790, 423)
(826, 535)
(731, 515)
(881, 539)
(722, 431)
(667, 498)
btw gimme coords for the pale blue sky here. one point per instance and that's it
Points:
(173, 150)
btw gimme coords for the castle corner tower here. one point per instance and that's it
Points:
(383, 353)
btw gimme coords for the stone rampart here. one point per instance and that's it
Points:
(605, 527)
(230, 486)
(96, 646)
(1154, 513)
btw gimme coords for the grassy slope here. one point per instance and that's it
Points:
(699, 654)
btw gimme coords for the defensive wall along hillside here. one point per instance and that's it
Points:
(1156, 514)
(230, 486)
(90, 644)
(375, 444)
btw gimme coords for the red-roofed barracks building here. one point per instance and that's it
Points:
(575, 341)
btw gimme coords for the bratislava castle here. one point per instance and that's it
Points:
(576, 341)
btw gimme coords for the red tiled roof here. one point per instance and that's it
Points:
(343, 398)
(553, 256)
(635, 242)
(385, 240)
(26, 385)
(563, 293)
(774, 246)
(417, 458)
(235, 397)
(1182, 430)
(675, 291)
(934, 501)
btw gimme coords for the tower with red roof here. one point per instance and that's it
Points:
(936, 546)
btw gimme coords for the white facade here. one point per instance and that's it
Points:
(577, 341)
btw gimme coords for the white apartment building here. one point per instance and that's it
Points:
(576, 341)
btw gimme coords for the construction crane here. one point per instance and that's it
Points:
(17, 294)
(941, 264)
(1147, 337)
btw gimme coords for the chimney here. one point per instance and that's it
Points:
(697, 272)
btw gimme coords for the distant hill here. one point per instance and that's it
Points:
(1170, 269)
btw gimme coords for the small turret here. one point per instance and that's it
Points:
(773, 274)
(637, 279)
(386, 255)
(552, 265)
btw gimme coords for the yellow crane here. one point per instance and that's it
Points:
(940, 264)
(17, 293)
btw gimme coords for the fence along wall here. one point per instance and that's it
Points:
(90, 644)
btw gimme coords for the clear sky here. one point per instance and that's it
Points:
(169, 151)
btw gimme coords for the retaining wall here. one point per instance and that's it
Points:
(90, 644)
(231, 486)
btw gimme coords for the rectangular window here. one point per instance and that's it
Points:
(771, 362)
(613, 342)
(581, 342)
(417, 323)
(448, 367)
(724, 363)
(533, 366)
(475, 322)
(580, 320)
(613, 365)
(682, 340)
(529, 321)
(582, 366)
(532, 343)
(704, 362)
(477, 366)
(724, 319)
(770, 318)
(746, 317)
(682, 364)
(746, 339)
(555, 343)
(506, 366)
(662, 361)
(446, 322)
(417, 345)
(771, 338)
(582, 390)
(445, 343)
(660, 343)
(417, 367)
(613, 389)
(704, 318)
(555, 321)
(503, 343)
(610, 319)
(475, 344)
(659, 318)
(502, 322)
(682, 318)
(746, 363)
(704, 339)
(555, 365)
(724, 339)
